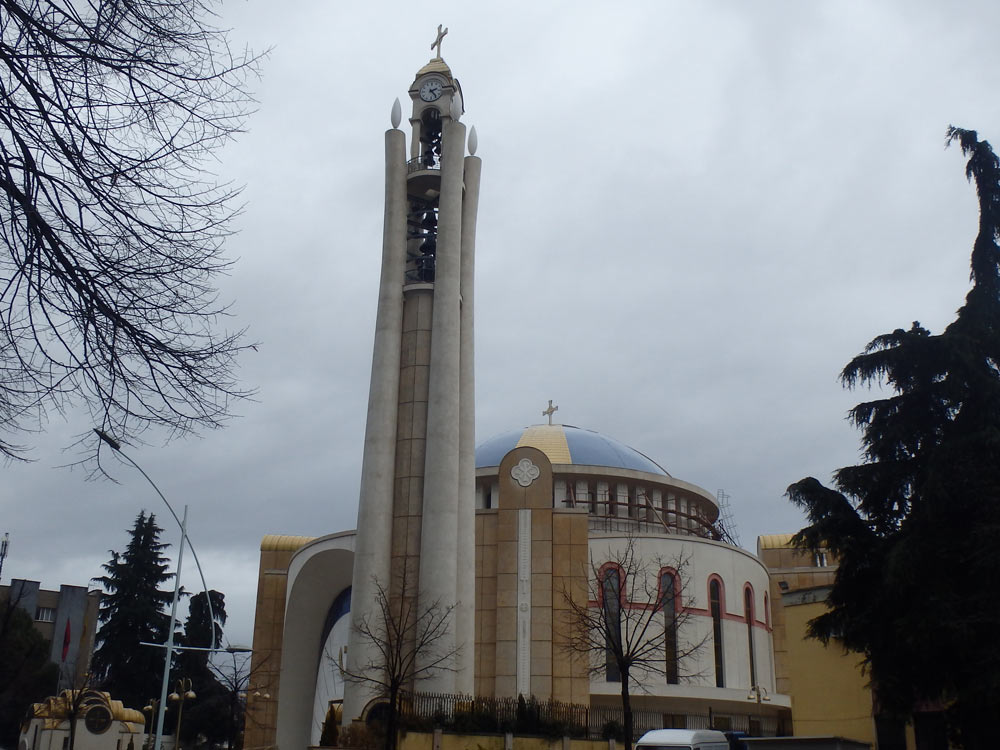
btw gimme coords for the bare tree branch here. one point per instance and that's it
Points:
(632, 630)
(111, 227)
(409, 644)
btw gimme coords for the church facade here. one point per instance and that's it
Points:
(514, 541)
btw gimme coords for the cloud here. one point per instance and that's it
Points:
(692, 216)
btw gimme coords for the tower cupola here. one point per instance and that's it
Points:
(437, 98)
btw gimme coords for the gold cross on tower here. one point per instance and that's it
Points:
(437, 42)
(550, 411)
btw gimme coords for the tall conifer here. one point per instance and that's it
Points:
(132, 611)
(916, 524)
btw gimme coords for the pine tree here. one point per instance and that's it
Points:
(198, 633)
(209, 713)
(915, 525)
(133, 611)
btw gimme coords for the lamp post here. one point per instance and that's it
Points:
(251, 705)
(169, 645)
(182, 693)
(759, 693)
(150, 710)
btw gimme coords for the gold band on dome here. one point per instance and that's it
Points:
(550, 440)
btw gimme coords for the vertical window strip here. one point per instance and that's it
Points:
(611, 592)
(715, 595)
(748, 614)
(668, 601)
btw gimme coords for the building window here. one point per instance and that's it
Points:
(611, 594)
(748, 615)
(715, 597)
(45, 614)
(668, 601)
(819, 560)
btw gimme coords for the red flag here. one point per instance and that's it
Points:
(66, 641)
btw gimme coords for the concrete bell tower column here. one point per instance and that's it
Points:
(416, 539)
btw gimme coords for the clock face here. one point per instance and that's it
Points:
(431, 90)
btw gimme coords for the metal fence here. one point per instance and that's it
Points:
(528, 716)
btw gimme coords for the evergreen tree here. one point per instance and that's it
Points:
(209, 713)
(26, 674)
(915, 525)
(132, 611)
(198, 633)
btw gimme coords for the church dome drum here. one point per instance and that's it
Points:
(615, 482)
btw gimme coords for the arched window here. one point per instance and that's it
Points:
(430, 139)
(748, 615)
(668, 601)
(611, 603)
(715, 597)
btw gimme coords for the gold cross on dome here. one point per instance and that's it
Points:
(437, 41)
(550, 411)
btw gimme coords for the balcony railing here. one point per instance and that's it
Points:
(424, 162)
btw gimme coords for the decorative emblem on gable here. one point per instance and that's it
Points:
(525, 472)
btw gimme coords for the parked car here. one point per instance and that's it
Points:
(683, 739)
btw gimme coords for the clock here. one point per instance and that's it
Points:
(431, 90)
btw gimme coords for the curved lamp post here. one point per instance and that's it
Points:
(169, 645)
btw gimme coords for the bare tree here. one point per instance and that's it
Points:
(634, 628)
(408, 645)
(236, 675)
(77, 700)
(110, 228)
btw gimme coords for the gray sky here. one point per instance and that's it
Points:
(692, 216)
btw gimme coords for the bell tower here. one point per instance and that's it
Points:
(415, 536)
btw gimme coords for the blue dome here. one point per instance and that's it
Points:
(566, 444)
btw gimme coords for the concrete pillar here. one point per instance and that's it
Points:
(372, 544)
(439, 528)
(583, 498)
(560, 495)
(624, 511)
(465, 620)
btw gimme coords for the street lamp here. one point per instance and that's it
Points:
(759, 694)
(181, 694)
(169, 645)
(150, 710)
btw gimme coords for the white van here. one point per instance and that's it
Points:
(683, 739)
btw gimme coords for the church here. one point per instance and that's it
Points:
(511, 542)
